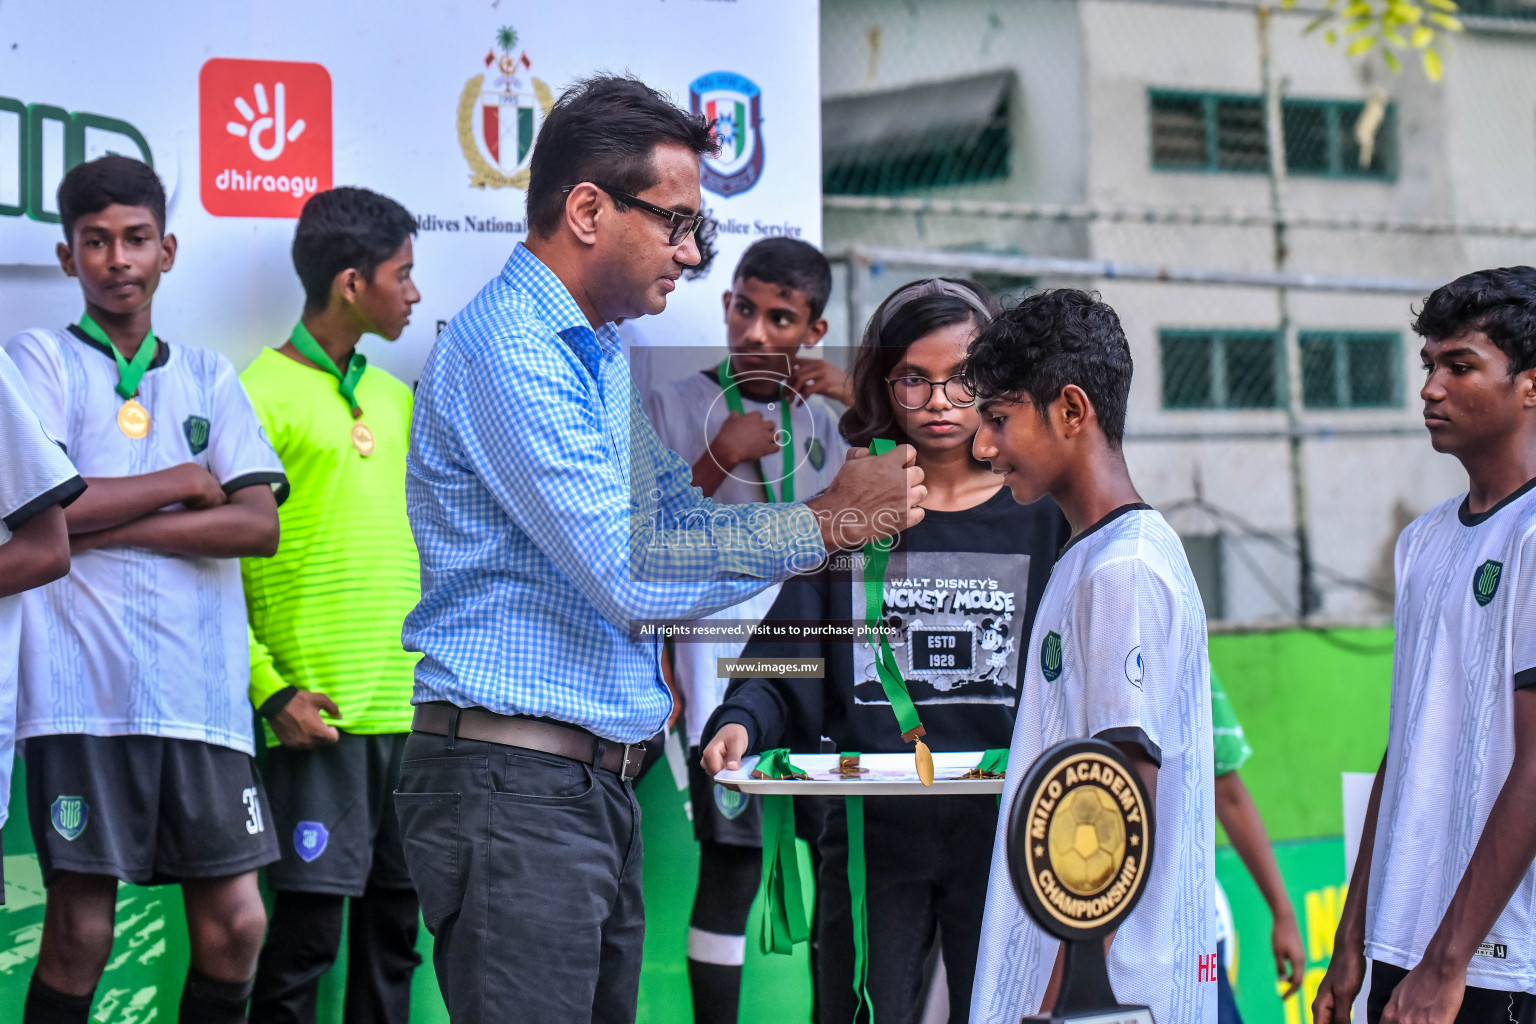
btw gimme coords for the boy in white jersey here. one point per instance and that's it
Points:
(134, 667)
(1117, 652)
(1443, 898)
(36, 481)
(757, 427)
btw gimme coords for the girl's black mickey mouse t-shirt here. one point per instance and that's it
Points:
(961, 588)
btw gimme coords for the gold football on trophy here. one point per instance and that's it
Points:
(1087, 840)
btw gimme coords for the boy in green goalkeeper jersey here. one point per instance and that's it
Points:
(329, 674)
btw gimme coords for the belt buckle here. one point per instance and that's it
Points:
(624, 775)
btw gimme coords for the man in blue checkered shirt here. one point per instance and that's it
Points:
(552, 524)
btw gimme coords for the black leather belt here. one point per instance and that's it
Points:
(623, 759)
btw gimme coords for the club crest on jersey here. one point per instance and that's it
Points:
(815, 453)
(1050, 656)
(309, 840)
(196, 430)
(729, 803)
(1485, 582)
(69, 815)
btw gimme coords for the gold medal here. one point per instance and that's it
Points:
(133, 419)
(362, 439)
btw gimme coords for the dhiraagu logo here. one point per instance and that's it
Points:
(1485, 582)
(1050, 656)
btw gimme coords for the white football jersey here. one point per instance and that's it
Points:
(687, 414)
(1123, 611)
(1466, 607)
(134, 642)
(35, 475)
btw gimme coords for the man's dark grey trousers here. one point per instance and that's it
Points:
(528, 868)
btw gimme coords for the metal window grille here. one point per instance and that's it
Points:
(1215, 132)
(1221, 369)
(1350, 370)
(869, 149)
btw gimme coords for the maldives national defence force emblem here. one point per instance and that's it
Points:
(499, 118)
(735, 104)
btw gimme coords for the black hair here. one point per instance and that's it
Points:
(603, 129)
(881, 348)
(1052, 339)
(1500, 303)
(345, 229)
(789, 263)
(93, 186)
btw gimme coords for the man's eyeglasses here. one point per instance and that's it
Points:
(912, 392)
(682, 224)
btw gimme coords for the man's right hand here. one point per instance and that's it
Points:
(725, 750)
(742, 438)
(299, 725)
(1340, 985)
(201, 489)
(871, 496)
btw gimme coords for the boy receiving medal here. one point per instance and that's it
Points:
(134, 666)
(326, 615)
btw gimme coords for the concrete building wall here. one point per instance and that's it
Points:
(1465, 150)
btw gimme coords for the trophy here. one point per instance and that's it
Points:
(1079, 847)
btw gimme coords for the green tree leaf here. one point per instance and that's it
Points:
(1390, 59)
(1447, 22)
(1422, 36)
(1360, 46)
(1432, 64)
(1317, 23)
(1359, 9)
(1407, 12)
(1330, 37)
(1444, 5)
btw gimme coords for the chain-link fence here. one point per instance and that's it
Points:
(1121, 145)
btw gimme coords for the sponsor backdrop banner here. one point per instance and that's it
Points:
(248, 110)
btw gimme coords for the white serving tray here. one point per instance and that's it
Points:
(888, 775)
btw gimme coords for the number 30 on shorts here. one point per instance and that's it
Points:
(253, 823)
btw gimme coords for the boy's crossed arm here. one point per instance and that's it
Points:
(126, 512)
(37, 553)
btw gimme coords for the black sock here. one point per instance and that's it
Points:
(206, 1000)
(47, 1005)
(716, 992)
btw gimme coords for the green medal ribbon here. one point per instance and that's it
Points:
(877, 554)
(727, 381)
(858, 889)
(993, 761)
(310, 349)
(129, 373)
(783, 900)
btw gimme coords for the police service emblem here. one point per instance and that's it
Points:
(735, 104)
(500, 119)
(1080, 839)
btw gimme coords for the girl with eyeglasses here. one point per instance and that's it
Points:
(961, 587)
